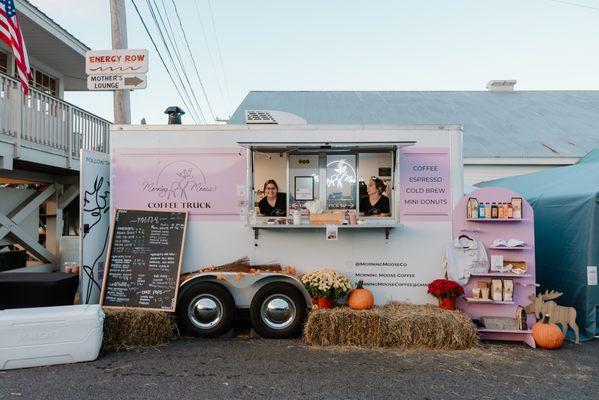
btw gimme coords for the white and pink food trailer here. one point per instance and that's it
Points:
(217, 174)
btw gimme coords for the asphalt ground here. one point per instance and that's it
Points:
(288, 369)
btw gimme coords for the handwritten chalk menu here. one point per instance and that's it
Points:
(144, 259)
(425, 184)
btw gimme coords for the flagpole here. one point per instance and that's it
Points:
(118, 19)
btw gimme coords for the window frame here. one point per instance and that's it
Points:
(4, 68)
(322, 198)
(286, 150)
(43, 76)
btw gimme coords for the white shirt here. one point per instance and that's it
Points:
(461, 256)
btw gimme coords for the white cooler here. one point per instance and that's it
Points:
(31, 337)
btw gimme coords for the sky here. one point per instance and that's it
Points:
(346, 45)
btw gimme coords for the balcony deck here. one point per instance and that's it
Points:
(44, 130)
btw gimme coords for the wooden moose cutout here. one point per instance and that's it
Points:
(557, 314)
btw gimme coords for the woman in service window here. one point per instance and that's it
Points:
(273, 203)
(375, 203)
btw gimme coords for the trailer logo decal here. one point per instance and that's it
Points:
(206, 182)
(177, 179)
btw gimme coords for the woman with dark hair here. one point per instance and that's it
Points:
(375, 203)
(273, 203)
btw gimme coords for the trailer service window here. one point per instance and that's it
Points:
(324, 181)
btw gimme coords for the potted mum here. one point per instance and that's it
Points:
(326, 285)
(446, 291)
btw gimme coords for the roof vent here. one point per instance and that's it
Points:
(259, 117)
(502, 86)
(272, 117)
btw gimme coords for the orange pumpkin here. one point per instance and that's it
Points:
(546, 335)
(360, 298)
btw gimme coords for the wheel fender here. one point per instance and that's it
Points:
(200, 278)
(244, 290)
(292, 280)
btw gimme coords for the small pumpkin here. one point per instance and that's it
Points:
(360, 298)
(546, 335)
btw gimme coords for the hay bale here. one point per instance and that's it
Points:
(398, 325)
(129, 329)
(343, 326)
(412, 326)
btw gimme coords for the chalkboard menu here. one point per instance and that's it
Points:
(144, 260)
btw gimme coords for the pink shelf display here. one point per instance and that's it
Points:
(471, 300)
(524, 285)
(494, 219)
(501, 275)
(485, 330)
(510, 248)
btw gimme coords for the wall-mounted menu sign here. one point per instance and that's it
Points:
(144, 260)
(424, 182)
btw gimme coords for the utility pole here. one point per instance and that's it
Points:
(118, 19)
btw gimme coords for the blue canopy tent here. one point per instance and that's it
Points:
(566, 205)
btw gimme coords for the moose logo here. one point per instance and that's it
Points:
(178, 180)
(557, 314)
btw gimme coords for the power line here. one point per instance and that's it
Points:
(173, 67)
(216, 77)
(170, 56)
(161, 58)
(175, 46)
(162, 30)
(220, 55)
(193, 61)
(575, 4)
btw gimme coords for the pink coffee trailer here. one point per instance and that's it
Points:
(217, 173)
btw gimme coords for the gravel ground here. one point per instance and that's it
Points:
(288, 369)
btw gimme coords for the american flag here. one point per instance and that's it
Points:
(10, 33)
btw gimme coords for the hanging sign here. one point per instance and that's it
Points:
(123, 69)
(123, 61)
(117, 82)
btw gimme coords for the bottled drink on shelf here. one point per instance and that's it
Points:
(481, 210)
(494, 211)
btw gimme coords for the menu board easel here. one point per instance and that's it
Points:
(144, 260)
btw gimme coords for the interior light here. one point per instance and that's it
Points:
(344, 173)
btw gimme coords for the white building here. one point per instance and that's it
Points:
(40, 138)
(506, 132)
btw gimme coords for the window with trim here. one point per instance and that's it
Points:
(328, 180)
(375, 183)
(42, 82)
(3, 62)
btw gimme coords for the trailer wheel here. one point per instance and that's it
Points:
(206, 309)
(278, 311)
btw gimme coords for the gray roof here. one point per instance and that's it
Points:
(496, 124)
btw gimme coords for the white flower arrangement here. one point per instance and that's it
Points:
(326, 283)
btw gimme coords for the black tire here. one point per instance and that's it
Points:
(290, 323)
(210, 323)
